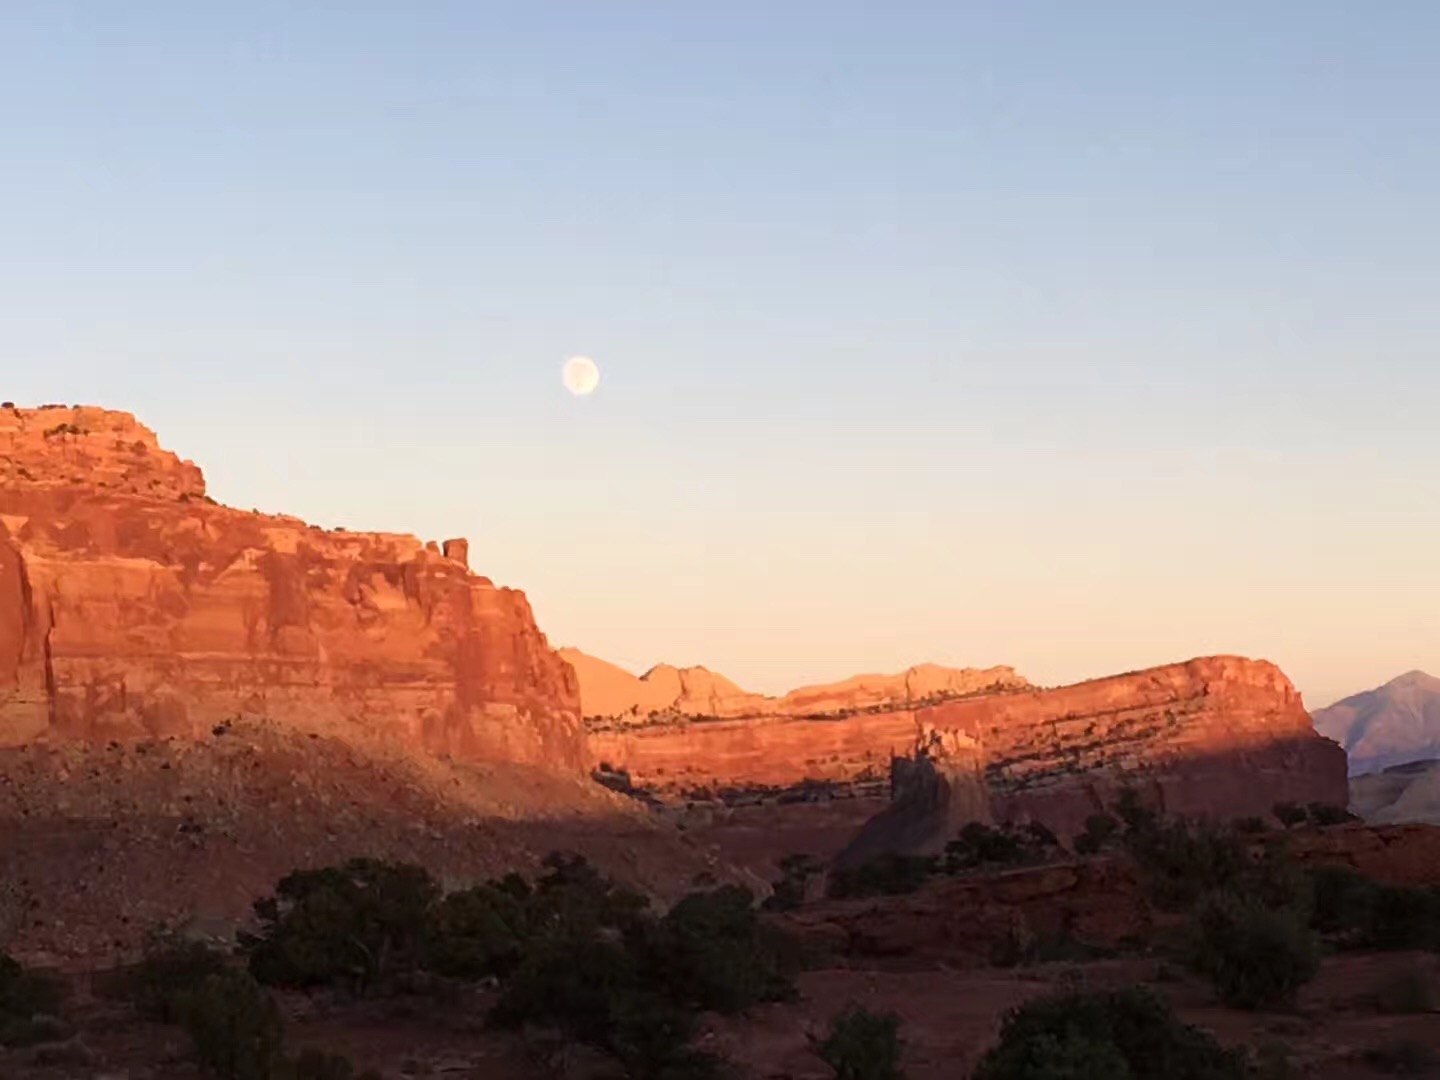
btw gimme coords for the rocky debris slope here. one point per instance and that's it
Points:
(131, 605)
(1390, 725)
(102, 841)
(1223, 736)
(612, 697)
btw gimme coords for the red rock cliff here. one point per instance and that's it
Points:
(1221, 735)
(131, 604)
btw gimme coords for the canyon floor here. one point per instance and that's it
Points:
(1334, 1032)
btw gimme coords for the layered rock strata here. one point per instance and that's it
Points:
(1220, 736)
(132, 605)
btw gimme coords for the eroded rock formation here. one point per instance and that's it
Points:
(934, 793)
(132, 605)
(1220, 735)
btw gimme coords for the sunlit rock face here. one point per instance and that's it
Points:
(132, 605)
(1220, 736)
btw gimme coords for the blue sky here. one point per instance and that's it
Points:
(1076, 337)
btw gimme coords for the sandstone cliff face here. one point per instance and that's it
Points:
(1220, 735)
(612, 697)
(132, 605)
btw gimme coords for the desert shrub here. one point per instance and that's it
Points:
(170, 968)
(23, 995)
(1119, 1035)
(796, 872)
(1406, 1057)
(1358, 912)
(1133, 813)
(1289, 814)
(887, 875)
(1180, 861)
(477, 932)
(235, 1026)
(1405, 917)
(985, 845)
(574, 897)
(357, 923)
(605, 971)
(712, 953)
(1319, 813)
(1256, 956)
(1344, 901)
(863, 1045)
(596, 992)
(1273, 1061)
(1099, 829)
(313, 1064)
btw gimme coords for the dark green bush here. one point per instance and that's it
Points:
(170, 968)
(236, 1027)
(23, 994)
(1404, 1058)
(980, 845)
(1121, 1035)
(1290, 814)
(1405, 917)
(863, 1045)
(315, 1064)
(1099, 829)
(1357, 912)
(604, 970)
(1180, 861)
(1256, 956)
(357, 923)
(477, 932)
(796, 872)
(888, 875)
(712, 953)
(1325, 814)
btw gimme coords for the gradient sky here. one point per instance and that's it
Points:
(1077, 337)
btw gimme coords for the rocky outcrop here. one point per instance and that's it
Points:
(1220, 735)
(978, 921)
(612, 697)
(1390, 725)
(934, 793)
(132, 605)
(1392, 854)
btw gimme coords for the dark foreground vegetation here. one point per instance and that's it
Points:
(575, 957)
(571, 952)
(1256, 922)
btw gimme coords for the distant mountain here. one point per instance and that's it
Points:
(1390, 725)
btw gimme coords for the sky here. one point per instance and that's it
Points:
(1075, 337)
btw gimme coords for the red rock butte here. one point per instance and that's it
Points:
(132, 605)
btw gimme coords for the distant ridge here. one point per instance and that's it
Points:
(609, 691)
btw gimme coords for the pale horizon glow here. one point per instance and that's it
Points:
(1075, 339)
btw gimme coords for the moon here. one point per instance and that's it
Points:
(580, 375)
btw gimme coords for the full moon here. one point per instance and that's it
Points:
(580, 375)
